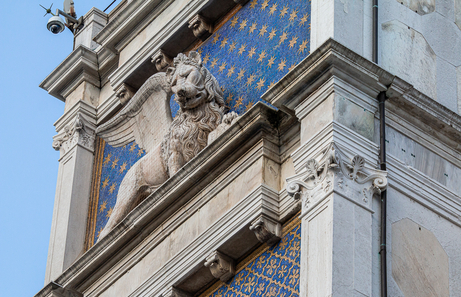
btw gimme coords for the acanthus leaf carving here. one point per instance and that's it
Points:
(75, 133)
(201, 27)
(162, 60)
(267, 230)
(221, 266)
(124, 93)
(320, 177)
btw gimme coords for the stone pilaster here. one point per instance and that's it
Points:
(75, 141)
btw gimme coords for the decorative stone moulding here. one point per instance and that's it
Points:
(201, 27)
(334, 173)
(124, 93)
(267, 230)
(174, 292)
(77, 132)
(162, 61)
(58, 291)
(221, 266)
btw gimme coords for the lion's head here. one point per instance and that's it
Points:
(192, 83)
(201, 108)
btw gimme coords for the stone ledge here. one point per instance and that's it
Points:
(81, 65)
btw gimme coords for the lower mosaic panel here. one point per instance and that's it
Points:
(273, 271)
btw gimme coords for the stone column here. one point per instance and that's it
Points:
(75, 141)
(336, 194)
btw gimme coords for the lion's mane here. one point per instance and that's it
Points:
(188, 133)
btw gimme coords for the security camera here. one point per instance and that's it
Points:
(55, 25)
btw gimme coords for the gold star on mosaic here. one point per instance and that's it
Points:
(223, 89)
(243, 24)
(271, 85)
(283, 37)
(231, 71)
(260, 84)
(293, 15)
(200, 51)
(282, 65)
(265, 4)
(249, 105)
(222, 67)
(240, 74)
(214, 62)
(263, 30)
(216, 38)
(103, 206)
(262, 56)
(123, 167)
(112, 188)
(206, 59)
(224, 42)
(229, 98)
(291, 67)
(107, 159)
(99, 232)
(272, 34)
(250, 80)
(273, 9)
(302, 46)
(251, 52)
(253, 3)
(242, 49)
(140, 152)
(132, 147)
(253, 27)
(238, 102)
(293, 41)
(109, 212)
(284, 11)
(232, 46)
(114, 163)
(303, 20)
(271, 61)
(105, 183)
(234, 21)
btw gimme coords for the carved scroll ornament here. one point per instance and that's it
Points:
(76, 132)
(333, 172)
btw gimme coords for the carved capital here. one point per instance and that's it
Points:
(333, 173)
(221, 266)
(267, 230)
(201, 27)
(162, 61)
(77, 132)
(124, 93)
(174, 292)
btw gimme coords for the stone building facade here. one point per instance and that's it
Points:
(336, 170)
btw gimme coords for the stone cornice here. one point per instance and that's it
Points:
(81, 65)
(258, 123)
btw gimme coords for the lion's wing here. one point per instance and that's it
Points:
(145, 119)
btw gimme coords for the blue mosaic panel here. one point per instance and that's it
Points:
(256, 48)
(273, 273)
(116, 162)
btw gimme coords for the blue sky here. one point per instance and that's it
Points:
(28, 53)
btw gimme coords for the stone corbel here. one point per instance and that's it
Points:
(267, 230)
(174, 292)
(162, 61)
(59, 291)
(201, 27)
(334, 173)
(124, 93)
(241, 2)
(221, 266)
(77, 132)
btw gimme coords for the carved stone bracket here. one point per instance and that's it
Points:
(77, 132)
(124, 93)
(267, 230)
(201, 27)
(333, 172)
(174, 292)
(221, 266)
(162, 61)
